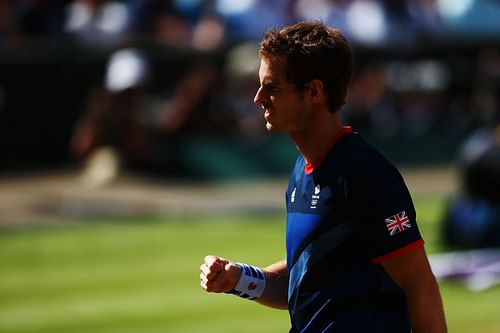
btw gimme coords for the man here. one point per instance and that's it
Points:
(355, 258)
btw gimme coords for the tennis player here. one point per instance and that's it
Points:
(355, 258)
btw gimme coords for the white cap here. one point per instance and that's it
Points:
(127, 68)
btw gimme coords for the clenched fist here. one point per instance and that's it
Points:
(219, 275)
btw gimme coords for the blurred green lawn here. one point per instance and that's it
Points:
(143, 276)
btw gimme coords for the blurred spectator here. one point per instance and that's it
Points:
(97, 22)
(178, 24)
(398, 98)
(116, 116)
(160, 19)
(241, 81)
(427, 19)
(126, 123)
(472, 219)
(247, 19)
(486, 85)
(369, 102)
(332, 12)
(367, 22)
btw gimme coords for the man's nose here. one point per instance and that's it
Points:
(258, 99)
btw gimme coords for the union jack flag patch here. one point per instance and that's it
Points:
(397, 223)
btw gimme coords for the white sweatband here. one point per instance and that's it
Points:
(251, 284)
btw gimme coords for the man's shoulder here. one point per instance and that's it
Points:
(355, 154)
(300, 164)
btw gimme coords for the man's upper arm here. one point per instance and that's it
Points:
(410, 269)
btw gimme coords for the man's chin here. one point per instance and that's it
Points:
(271, 128)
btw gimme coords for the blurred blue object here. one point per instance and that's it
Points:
(473, 217)
(472, 223)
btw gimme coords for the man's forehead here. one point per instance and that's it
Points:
(272, 68)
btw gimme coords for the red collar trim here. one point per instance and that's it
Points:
(310, 167)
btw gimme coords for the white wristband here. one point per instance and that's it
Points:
(251, 284)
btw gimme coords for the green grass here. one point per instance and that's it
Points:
(142, 276)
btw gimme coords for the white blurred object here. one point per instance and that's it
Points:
(111, 17)
(454, 9)
(78, 16)
(101, 168)
(231, 7)
(127, 68)
(243, 60)
(422, 75)
(366, 21)
(208, 34)
(477, 269)
(313, 9)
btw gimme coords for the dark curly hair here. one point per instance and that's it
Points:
(313, 51)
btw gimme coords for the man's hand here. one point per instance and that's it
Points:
(219, 275)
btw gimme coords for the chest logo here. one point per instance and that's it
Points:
(315, 197)
(292, 196)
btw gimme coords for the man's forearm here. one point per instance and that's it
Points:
(426, 308)
(276, 292)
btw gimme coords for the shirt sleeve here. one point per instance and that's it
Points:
(382, 211)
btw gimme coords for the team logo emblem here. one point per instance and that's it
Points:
(397, 223)
(315, 197)
(252, 286)
(317, 189)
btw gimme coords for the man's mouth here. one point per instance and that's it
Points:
(267, 114)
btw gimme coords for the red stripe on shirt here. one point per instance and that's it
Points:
(309, 168)
(394, 254)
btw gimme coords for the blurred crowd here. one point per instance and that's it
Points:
(204, 24)
(422, 66)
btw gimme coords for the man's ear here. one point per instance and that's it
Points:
(316, 90)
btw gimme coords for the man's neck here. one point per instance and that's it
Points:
(315, 141)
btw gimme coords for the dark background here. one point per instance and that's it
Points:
(47, 71)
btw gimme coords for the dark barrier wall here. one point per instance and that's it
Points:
(43, 93)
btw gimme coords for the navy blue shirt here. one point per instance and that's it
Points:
(345, 217)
